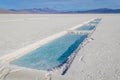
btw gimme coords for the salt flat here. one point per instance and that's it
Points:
(98, 60)
(19, 30)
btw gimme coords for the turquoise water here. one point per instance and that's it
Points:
(52, 54)
(86, 27)
(89, 26)
(96, 21)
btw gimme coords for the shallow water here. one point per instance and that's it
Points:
(86, 27)
(90, 25)
(51, 54)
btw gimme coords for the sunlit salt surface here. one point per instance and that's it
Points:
(52, 54)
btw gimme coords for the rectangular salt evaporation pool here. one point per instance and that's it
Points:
(89, 26)
(95, 22)
(52, 54)
(86, 27)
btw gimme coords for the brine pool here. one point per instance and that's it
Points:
(86, 27)
(90, 25)
(52, 54)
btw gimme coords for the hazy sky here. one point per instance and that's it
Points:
(60, 4)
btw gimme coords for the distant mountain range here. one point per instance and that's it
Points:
(52, 11)
(101, 10)
(35, 10)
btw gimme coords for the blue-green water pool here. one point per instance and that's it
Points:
(52, 54)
